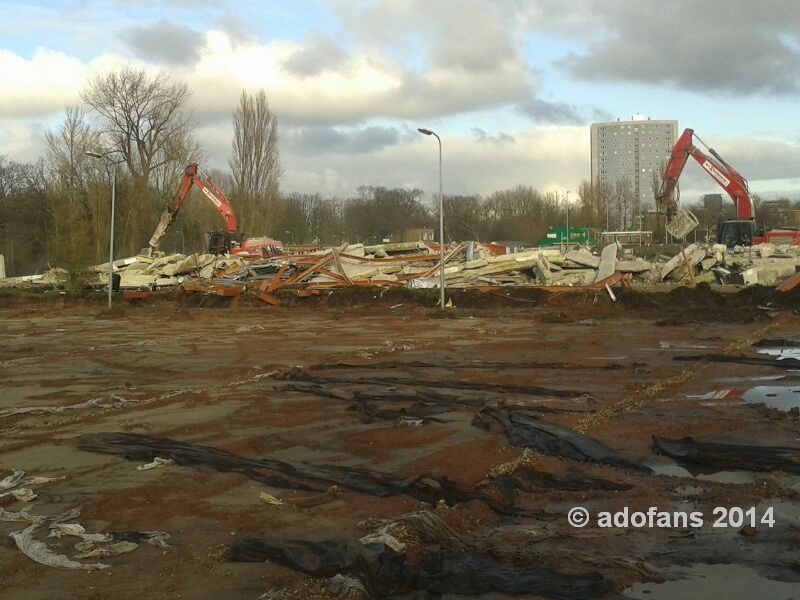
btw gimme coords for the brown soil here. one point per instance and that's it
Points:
(203, 371)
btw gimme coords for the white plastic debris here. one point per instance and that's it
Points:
(23, 516)
(88, 549)
(21, 494)
(40, 553)
(12, 480)
(76, 529)
(156, 463)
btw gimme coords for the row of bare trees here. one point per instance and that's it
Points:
(56, 211)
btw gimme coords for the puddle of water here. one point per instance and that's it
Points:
(703, 581)
(729, 477)
(739, 380)
(780, 352)
(670, 470)
(783, 398)
(673, 470)
(681, 346)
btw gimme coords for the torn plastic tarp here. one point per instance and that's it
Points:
(528, 479)
(40, 553)
(92, 550)
(297, 476)
(525, 431)
(716, 455)
(20, 494)
(417, 411)
(385, 572)
(24, 516)
(11, 481)
(300, 374)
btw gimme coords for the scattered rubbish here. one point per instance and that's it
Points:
(11, 481)
(156, 463)
(23, 516)
(76, 529)
(270, 499)
(40, 553)
(328, 495)
(88, 549)
(91, 545)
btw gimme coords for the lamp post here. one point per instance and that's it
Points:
(424, 131)
(113, 166)
(567, 201)
(291, 234)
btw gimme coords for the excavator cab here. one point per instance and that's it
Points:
(738, 232)
(220, 242)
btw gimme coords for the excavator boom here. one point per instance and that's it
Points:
(713, 164)
(209, 189)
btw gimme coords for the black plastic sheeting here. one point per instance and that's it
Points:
(780, 363)
(472, 365)
(528, 479)
(299, 374)
(387, 573)
(420, 411)
(715, 455)
(524, 431)
(299, 476)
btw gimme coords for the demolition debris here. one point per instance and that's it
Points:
(308, 271)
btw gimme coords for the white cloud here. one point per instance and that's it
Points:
(349, 85)
(43, 84)
(22, 140)
(547, 159)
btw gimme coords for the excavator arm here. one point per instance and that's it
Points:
(713, 164)
(211, 191)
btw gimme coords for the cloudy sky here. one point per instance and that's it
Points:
(510, 86)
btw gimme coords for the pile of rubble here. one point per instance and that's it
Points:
(466, 265)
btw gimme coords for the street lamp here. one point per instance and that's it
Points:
(567, 220)
(424, 131)
(113, 166)
(291, 234)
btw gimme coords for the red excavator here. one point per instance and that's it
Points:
(740, 231)
(220, 242)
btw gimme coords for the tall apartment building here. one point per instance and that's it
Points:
(636, 150)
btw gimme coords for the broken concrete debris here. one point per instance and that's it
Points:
(418, 265)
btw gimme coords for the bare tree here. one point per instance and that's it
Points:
(255, 162)
(24, 222)
(592, 204)
(624, 196)
(145, 121)
(79, 226)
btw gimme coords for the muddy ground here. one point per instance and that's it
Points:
(404, 411)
